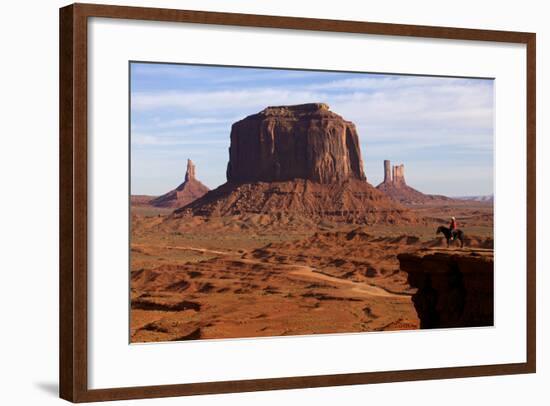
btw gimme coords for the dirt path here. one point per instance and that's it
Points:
(302, 271)
(357, 287)
(184, 248)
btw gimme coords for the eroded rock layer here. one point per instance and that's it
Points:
(455, 287)
(352, 201)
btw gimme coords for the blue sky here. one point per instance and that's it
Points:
(440, 128)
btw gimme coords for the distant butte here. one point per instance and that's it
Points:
(190, 190)
(300, 160)
(396, 188)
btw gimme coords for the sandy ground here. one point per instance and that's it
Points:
(244, 277)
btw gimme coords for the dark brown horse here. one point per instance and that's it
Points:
(458, 235)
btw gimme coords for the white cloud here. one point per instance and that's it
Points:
(144, 139)
(394, 103)
(388, 82)
(410, 113)
(216, 101)
(190, 121)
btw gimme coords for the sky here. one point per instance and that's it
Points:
(442, 129)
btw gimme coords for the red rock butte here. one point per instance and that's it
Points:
(301, 160)
(395, 187)
(190, 190)
(306, 141)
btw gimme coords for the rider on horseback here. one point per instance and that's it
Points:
(453, 227)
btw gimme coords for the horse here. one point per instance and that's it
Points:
(459, 235)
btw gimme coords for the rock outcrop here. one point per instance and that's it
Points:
(305, 141)
(455, 287)
(396, 188)
(190, 190)
(301, 160)
(387, 172)
(141, 200)
(399, 175)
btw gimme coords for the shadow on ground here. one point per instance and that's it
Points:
(51, 388)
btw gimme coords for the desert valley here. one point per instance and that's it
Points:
(297, 241)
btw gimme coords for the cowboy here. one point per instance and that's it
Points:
(453, 227)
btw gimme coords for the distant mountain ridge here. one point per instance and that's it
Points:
(480, 198)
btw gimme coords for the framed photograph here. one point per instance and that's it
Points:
(254, 202)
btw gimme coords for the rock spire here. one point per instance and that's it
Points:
(190, 190)
(190, 173)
